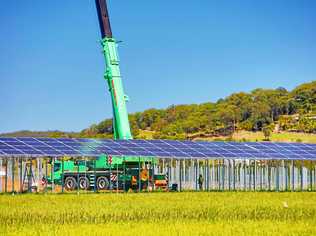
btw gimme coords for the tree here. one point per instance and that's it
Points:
(260, 115)
(305, 97)
(133, 125)
(230, 115)
(105, 126)
(243, 102)
(267, 130)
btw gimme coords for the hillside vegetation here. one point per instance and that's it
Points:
(269, 114)
(260, 110)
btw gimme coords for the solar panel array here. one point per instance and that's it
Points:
(50, 147)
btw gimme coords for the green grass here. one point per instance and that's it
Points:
(276, 137)
(145, 134)
(159, 214)
(252, 136)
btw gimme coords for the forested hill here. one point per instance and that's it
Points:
(260, 110)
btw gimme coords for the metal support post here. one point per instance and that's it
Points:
(124, 171)
(261, 175)
(198, 172)
(301, 175)
(213, 175)
(52, 172)
(117, 178)
(111, 174)
(46, 175)
(234, 175)
(180, 176)
(183, 173)
(153, 174)
(229, 174)
(62, 176)
(148, 167)
(12, 174)
(196, 178)
(250, 175)
(277, 178)
(78, 177)
(169, 171)
(191, 174)
(1, 175)
(85, 174)
(208, 175)
(223, 175)
(220, 173)
(95, 189)
(310, 177)
(139, 176)
(286, 175)
(245, 180)
(38, 174)
(293, 176)
(254, 174)
(6, 177)
(314, 177)
(269, 176)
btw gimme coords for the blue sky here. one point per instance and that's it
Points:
(173, 52)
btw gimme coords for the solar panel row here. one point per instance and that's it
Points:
(39, 147)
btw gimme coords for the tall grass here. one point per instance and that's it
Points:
(159, 214)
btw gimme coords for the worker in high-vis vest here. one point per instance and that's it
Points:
(134, 180)
(144, 178)
(144, 175)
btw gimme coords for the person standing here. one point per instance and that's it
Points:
(200, 181)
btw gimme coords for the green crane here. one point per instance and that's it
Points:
(100, 173)
(112, 74)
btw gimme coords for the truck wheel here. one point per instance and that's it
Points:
(70, 183)
(84, 183)
(103, 183)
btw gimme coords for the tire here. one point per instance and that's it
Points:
(84, 183)
(103, 183)
(70, 183)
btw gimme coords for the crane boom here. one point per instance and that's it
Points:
(104, 19)
(112, 74)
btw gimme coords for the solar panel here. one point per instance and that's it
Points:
(35, 147)
(276, 150)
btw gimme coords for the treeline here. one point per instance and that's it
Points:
(39, 134)
(259, 110)
(255, 111)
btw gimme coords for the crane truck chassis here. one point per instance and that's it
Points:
(99, 174)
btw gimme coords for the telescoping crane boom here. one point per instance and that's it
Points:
(112, 74)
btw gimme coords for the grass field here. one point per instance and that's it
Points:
(276, 137)
(253, 136)
(159, 214)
